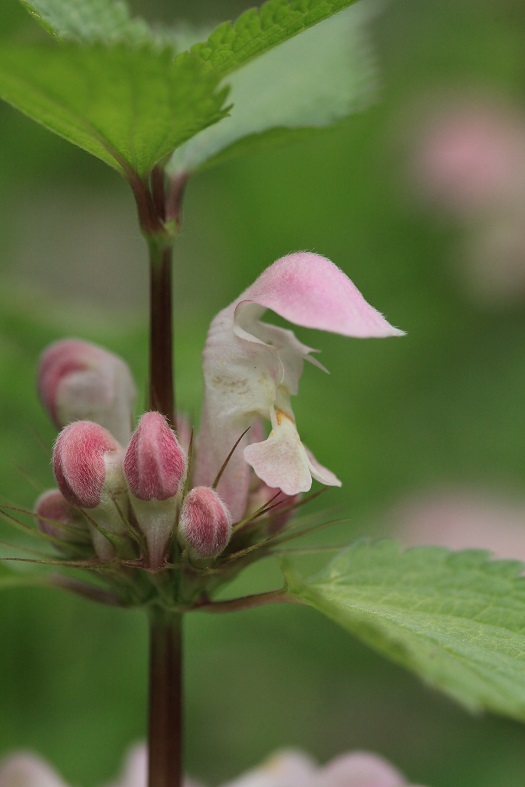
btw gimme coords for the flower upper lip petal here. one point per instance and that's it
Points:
(309, 290)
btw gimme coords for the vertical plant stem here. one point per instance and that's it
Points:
(161, 393)
(165, 767)
(165, 692)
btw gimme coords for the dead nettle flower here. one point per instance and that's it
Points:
(205, 524)
(155, 466)
(56, 517)
(87, 462)
(78, 381)
(251, 370)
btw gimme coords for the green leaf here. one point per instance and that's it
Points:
(95, 21)
(233, 44)
(456, 619)
(309, 82)
(129, 107)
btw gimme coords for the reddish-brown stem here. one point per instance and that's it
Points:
(165, 700)
(158, 191)
(151, 222)
(165, 767)
(247, 602)
(161, 393)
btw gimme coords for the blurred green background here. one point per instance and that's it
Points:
(441, 407)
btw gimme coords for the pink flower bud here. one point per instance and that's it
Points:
(87, 462)
(78, 380)
(154, 467)
(205, 525)
(155, 463)
(52, 511)
(83, 456)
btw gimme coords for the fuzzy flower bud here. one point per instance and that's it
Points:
(87, 462)
(205, 525)
(154, 467)
(155, 463)
(57, 518)
(78, 380)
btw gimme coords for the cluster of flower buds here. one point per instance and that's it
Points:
(121, 493)
(132, 492)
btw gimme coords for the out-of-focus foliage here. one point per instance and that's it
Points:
(444, 405)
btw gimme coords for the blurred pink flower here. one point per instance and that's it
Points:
(470, 156)
(462, 520)
(287, 768)
(27, 770)
(467, 159)
(290, 768)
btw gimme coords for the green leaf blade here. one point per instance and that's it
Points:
(130, 107)
(308, 83)
(456, 619)
(233, 44)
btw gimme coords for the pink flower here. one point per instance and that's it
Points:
(251, 370)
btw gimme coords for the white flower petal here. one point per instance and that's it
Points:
(281, 461)
(320, 473)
